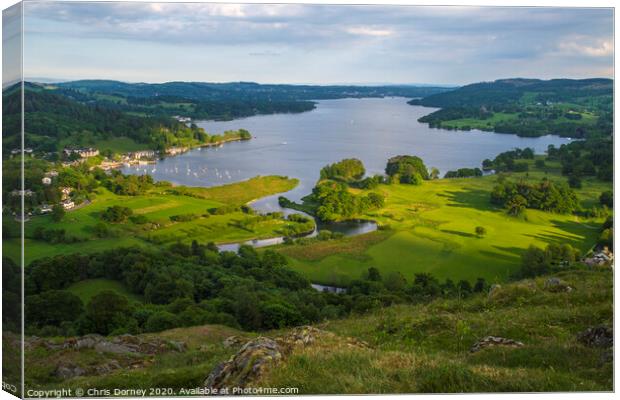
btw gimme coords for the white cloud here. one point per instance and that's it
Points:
(368, 31)
(602, 49)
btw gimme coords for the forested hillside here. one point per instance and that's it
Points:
(526, 107)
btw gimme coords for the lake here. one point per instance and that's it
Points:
(299, 145)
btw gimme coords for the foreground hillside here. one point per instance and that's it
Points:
(399, 349)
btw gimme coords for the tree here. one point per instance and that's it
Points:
(52, 308)
(347, 170)
(574, 181)
(58, 212)
(160, 321)
(405, 168)
(116, 214)
(108, 311)
(434, 173)
(480, 285)
(481, 231)
(395, 281)
(373, 274)
(534, 261)
(516, 205)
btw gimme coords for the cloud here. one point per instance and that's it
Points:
(603, 48)
(421, 42)
(368, 31)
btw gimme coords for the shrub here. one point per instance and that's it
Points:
(160, 321)
(116, 214)
(607, 198)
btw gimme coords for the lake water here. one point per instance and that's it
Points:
(299, 145)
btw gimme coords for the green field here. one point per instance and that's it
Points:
(158, 206)
(431, 228)
(476, 123)
(89, 288)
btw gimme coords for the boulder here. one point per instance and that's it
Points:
(556, 285)
(597, 336)
(68, 370)
(233, 341)
(260, 354)
(493, 290)
(248, 364)
(494, 341)
(116, 348)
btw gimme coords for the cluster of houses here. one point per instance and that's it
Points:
(83, 152)
(27, 151)
(185, 120)
(173, 151)
(602, 257)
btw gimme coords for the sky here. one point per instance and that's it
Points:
(315, 44)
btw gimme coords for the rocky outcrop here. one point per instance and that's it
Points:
(494, 341)
(248, 364)
(117, 345)
(556, 285)
(258, 355)
(233, 341)
(597, 336)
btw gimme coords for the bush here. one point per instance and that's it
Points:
(184, 217)
(481, 231)
(574, 182)
(161, 321)
(607, 199)
(139, 219)
(116, 214)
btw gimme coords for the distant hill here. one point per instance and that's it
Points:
(202, 91)
(526, 107)
(507, 91)
(54, 120)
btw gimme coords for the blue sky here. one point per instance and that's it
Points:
(158, 42)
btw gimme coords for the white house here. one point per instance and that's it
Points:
(46, 180)
(68, 204)
(65, 191)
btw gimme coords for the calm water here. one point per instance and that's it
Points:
(298, 145)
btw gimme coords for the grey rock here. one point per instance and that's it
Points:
(249, 363)
(597, 336)
(68, 371)
(556, 285)
(493, 341)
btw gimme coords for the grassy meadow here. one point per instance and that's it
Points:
(425, 348)
(89, 288)
(431, 228)
(158, 205)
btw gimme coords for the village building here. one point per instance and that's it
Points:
(51, 174)
(176, 150)
(46, 180)
(68, 204)
(26, 192)
(45, 209)
(136, 155)
(27, 151)
(65, 192)
(603, 257)
(84, 152)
